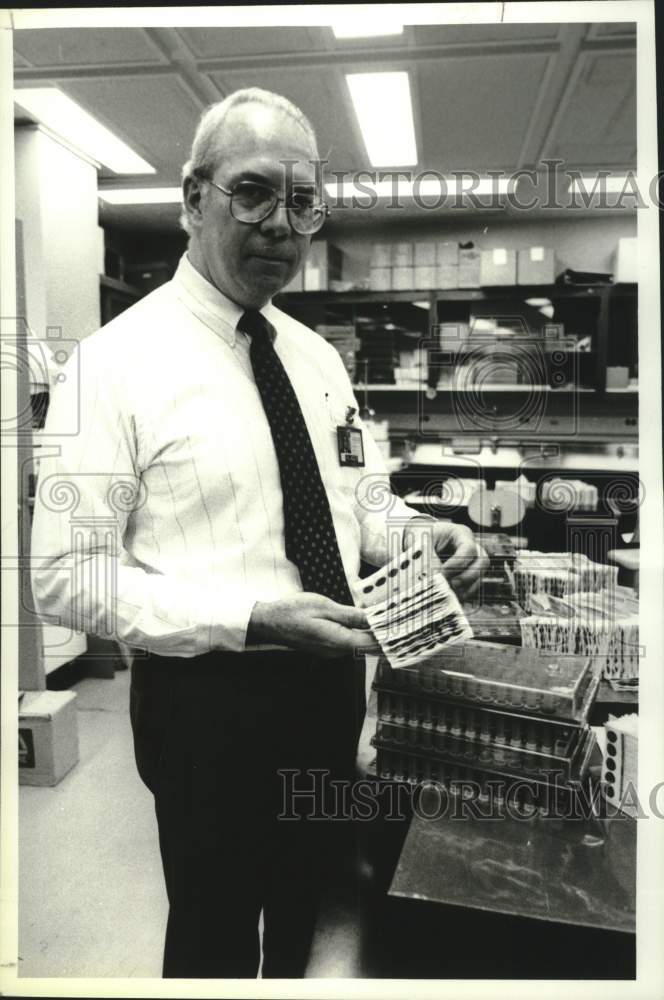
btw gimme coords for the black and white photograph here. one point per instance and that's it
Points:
(332, 550)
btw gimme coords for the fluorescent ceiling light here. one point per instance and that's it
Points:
(141, 196)
(65, 118)
(605, 185)
(385, 116)
(429, 188)
(369, 25)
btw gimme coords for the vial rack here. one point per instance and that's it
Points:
(529, 681)
(449, 743)
(415, 769)
(499, 622)
(488, 737)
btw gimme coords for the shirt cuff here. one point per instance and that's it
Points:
(224, 620)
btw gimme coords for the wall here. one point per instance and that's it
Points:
(585, 244)
(56, 200)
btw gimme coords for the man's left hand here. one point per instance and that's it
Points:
(463, 560)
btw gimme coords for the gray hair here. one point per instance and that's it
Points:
(207, 147)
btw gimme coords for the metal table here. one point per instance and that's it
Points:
(573, 871)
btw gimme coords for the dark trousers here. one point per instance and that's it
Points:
(211, 736)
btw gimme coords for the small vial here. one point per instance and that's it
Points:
(485, 731)
(441, 682)
(531, 700)
(484, 692)
(427, 719)
(501, 694)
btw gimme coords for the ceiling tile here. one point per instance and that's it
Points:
(473, 34)
(210, 43)
(154, 115)
(607, 29)
(318, 92)
(19, 60)
(598, 124)
(85, 46)
(475, 112)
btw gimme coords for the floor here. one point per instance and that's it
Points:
(92, 901)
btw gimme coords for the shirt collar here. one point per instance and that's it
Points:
(210, 305)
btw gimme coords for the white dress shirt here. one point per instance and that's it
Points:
(160, 521)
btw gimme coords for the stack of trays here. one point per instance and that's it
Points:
(490, 712)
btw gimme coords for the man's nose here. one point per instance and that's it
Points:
(277, 223)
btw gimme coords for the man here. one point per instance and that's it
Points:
(207, 486)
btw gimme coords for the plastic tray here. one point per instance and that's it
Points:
(530, 681)
(533, 760)
(496, 622)
(415, 768)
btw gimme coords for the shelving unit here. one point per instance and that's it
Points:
(606, 306)
(326, 307)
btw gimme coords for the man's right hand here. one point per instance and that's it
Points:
(311, 622)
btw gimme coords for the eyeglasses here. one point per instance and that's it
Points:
(252, 202)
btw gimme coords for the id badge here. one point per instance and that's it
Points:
(351, 446)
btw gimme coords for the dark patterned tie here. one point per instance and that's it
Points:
(311, 541)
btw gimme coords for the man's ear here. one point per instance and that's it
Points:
(191, 197)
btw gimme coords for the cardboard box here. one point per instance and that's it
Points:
(426, 276)
(446, 252)
(469, 268)
(324, 264)
(402, 255)
(626, 260)
(47, 736)
(536, 266)
(617, 377)
(403, 278)
(425, 254)
(380, 279)
(381, 255)
(448, 276)
(498, 267)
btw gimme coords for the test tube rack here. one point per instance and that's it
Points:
(492, 712)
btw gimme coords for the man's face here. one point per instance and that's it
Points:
(250, 262)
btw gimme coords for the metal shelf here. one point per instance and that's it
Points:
(484, 388)
(360, 296)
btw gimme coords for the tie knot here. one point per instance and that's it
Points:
(254, 324)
